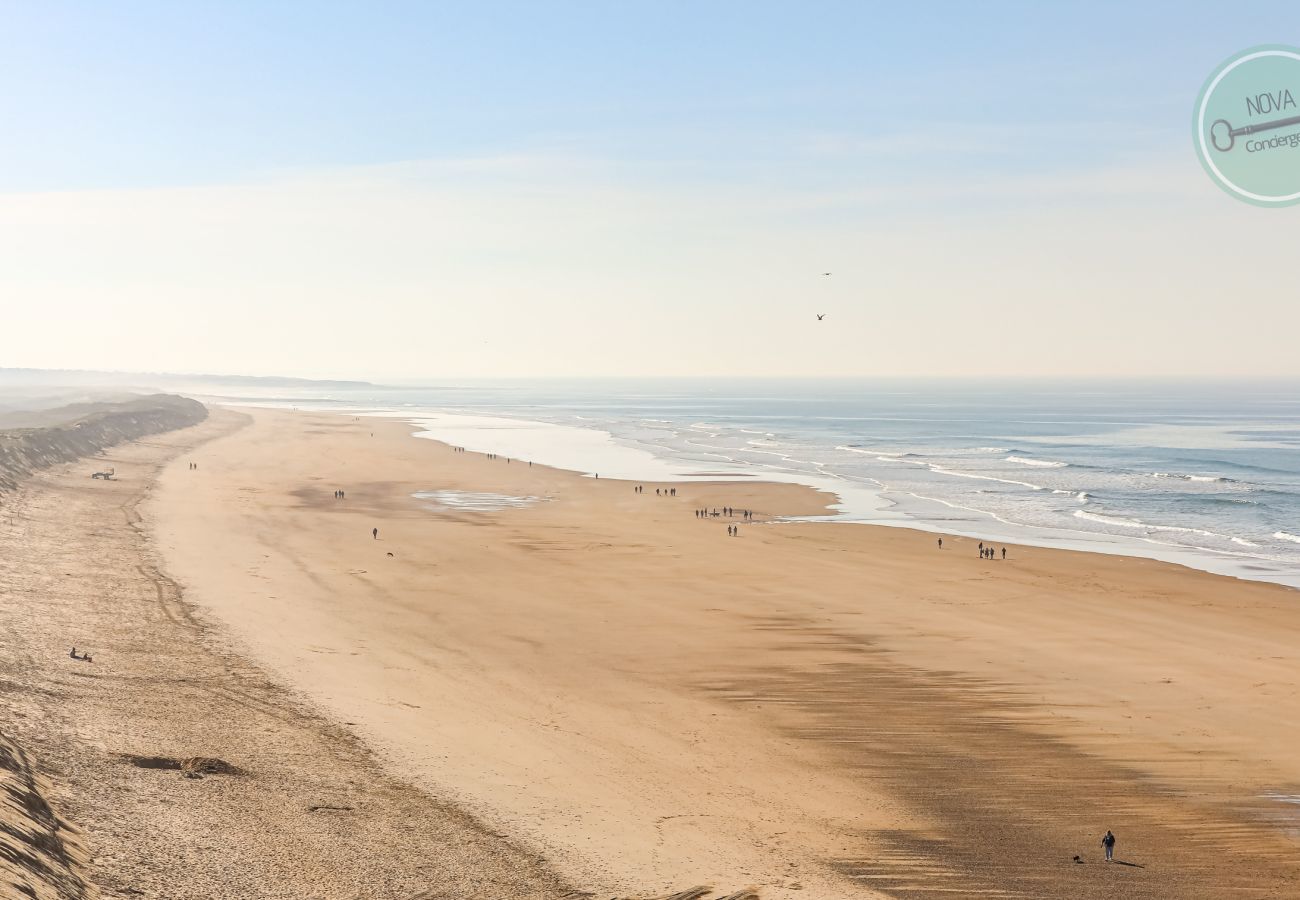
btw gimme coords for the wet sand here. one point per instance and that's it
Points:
(807, 709)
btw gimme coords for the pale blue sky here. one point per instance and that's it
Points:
(500, 173)
(142, 94)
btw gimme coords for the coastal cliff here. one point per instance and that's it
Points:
(94, 427)
(42, 856)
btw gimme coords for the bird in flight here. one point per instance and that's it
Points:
(821, 316)
(826, 273)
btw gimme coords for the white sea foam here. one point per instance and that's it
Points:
(942, 471)
(1286, 536)
(888, 456)
(1109, 520)
(1040, 463)
(1148, 528)
(1205, 478)
(872, 451)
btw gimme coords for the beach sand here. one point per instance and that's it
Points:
(89, 751)
(805, 710)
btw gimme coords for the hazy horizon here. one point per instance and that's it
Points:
(649, 190)
(123, 378)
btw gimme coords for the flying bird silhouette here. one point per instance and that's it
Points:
(821, 316)
(826, 273)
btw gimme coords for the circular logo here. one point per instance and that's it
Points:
(1247, 126)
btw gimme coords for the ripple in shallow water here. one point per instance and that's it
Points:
(473, 501)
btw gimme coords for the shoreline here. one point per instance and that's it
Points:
(857, 504)
(862, 505)
(608, 675)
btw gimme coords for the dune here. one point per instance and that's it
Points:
(42, 856)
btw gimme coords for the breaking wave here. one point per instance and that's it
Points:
(1040, 463)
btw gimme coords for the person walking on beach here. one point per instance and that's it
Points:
(940, 543)
(1108, 841)
(1004, 552)
(374, 533)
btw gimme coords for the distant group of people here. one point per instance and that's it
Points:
(491, 456)
(193, 466)
(659, 492)
(728, 511)
(733, 531)
(988, 552)
(84, 657)
(340, 495)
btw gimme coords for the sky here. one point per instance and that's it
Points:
(412, 190)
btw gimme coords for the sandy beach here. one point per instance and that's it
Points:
(811, 709)
(649, 451)
(91, 752)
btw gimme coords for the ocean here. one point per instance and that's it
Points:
(1202, 473)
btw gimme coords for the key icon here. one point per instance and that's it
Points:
(1231, 134)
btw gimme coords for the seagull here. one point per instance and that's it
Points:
(821, 316)
(826, 273)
